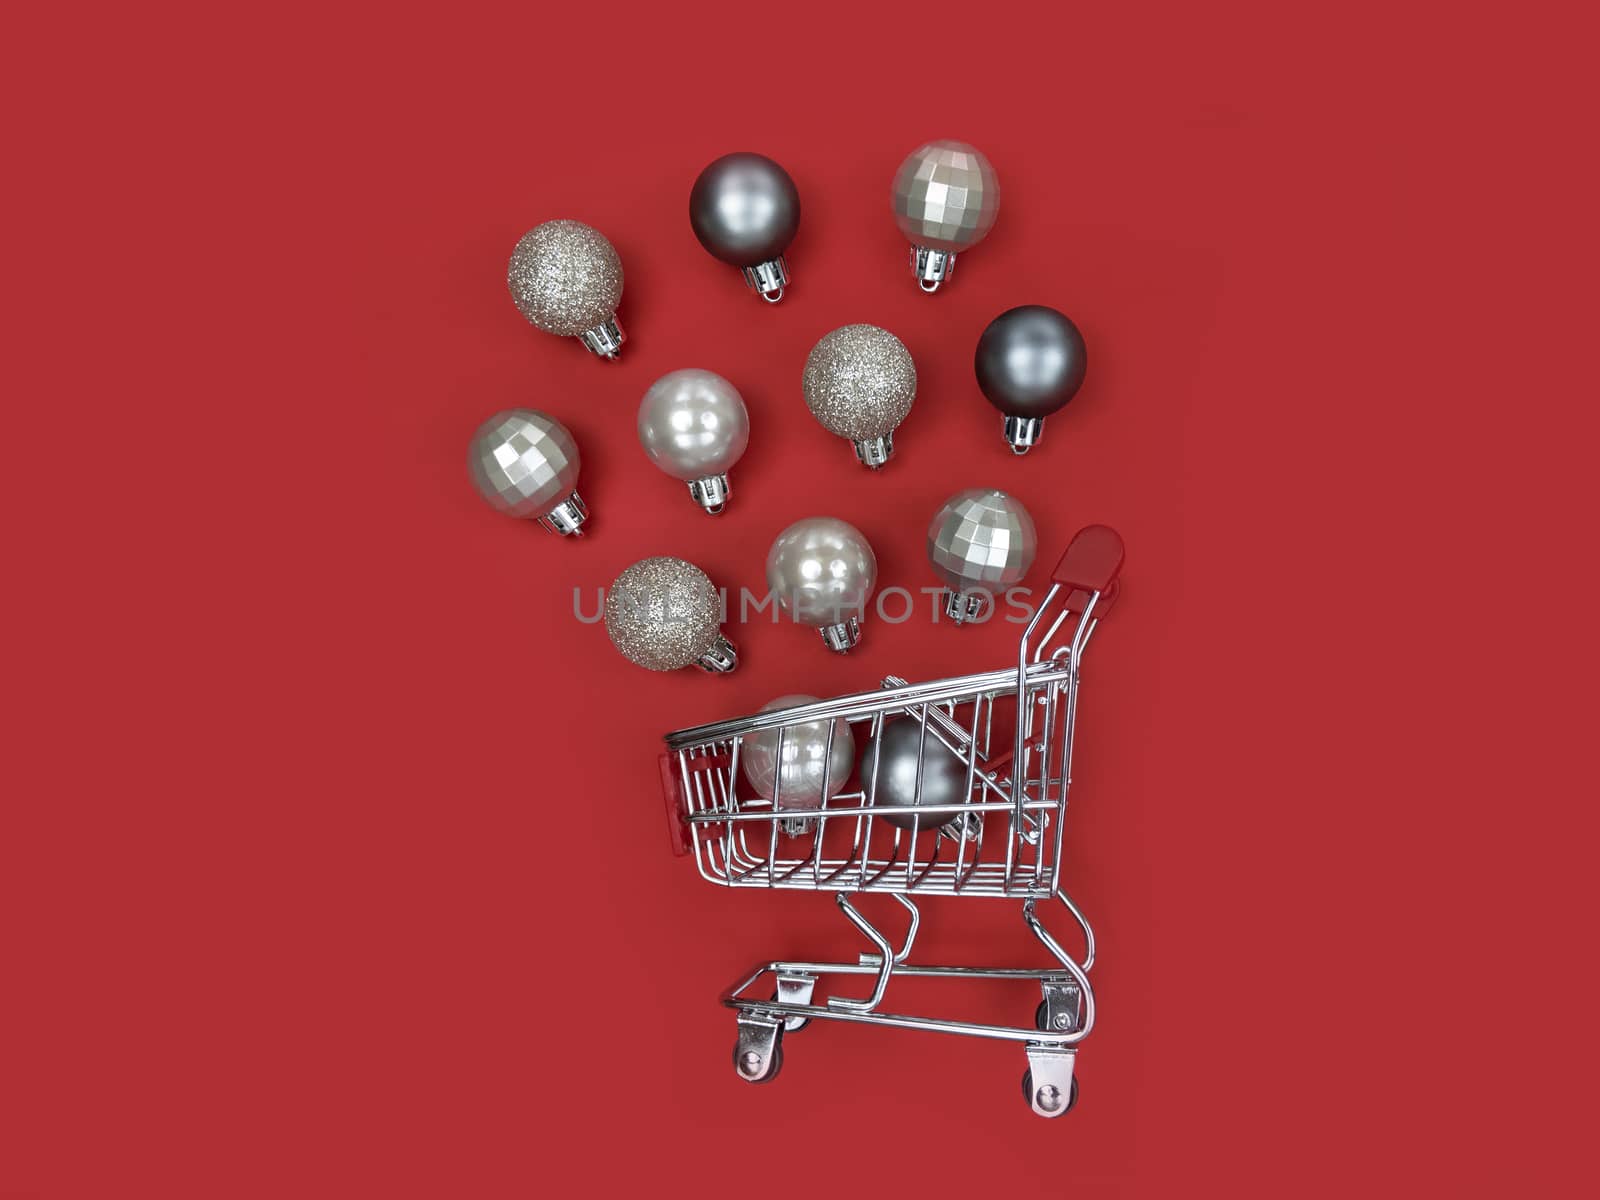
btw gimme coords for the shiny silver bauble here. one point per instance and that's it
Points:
(945, 198)
(693, 425)
(745, 209)
(525, 464)
(890, 763)
(1030, 363)
(822, 572)
(797, 760)
(981, 543)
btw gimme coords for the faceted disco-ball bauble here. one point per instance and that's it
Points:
(945, 196)
(1030, 361)
(982, 540)
(565, 278)
(693, 423)
(744, 209)
(891, 759)
(523, 462)
(663, 613)
(859, 382)
(810, 772)
(822, 571)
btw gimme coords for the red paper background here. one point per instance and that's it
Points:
(336, 864)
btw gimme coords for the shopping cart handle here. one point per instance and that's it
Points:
(677, 814)
(1092, 560)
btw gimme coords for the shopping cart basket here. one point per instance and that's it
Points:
(1002, 839)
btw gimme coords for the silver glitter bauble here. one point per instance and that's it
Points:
(945, 198)
(693, 425)
(889, 764)
(745, 210)
(664, 613)
(566, 279)
(822, 572)
(525, 464)
(980, 543)
(859, 383)
(1030, 362)
(804, 770)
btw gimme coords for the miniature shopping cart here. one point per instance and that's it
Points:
(1003, 839)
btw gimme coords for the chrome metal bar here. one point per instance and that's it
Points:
(916, 799)
(861, 704)
(871, 795)
(870, 810)
(777, 793)
(735, 997)
(1083, 924)
(886, 959)
(1077, 972)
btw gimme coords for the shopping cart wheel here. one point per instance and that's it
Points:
(1067, 1005)
(1027, 1094)
(774, 1063)
(758, 1052)
(794, 987)
(1041, 1019)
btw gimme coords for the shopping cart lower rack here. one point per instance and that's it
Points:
(1001, 837)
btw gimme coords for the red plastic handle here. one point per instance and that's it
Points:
(677, 815)
(1091, 564)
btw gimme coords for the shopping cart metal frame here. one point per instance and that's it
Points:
(1017, 795)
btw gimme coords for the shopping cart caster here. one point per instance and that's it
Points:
(795, 989)
(1058, 1011)
(758, 1053)
(1050, 1086)
(742, 1063)
(793, 1024)
(1050, 1101)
